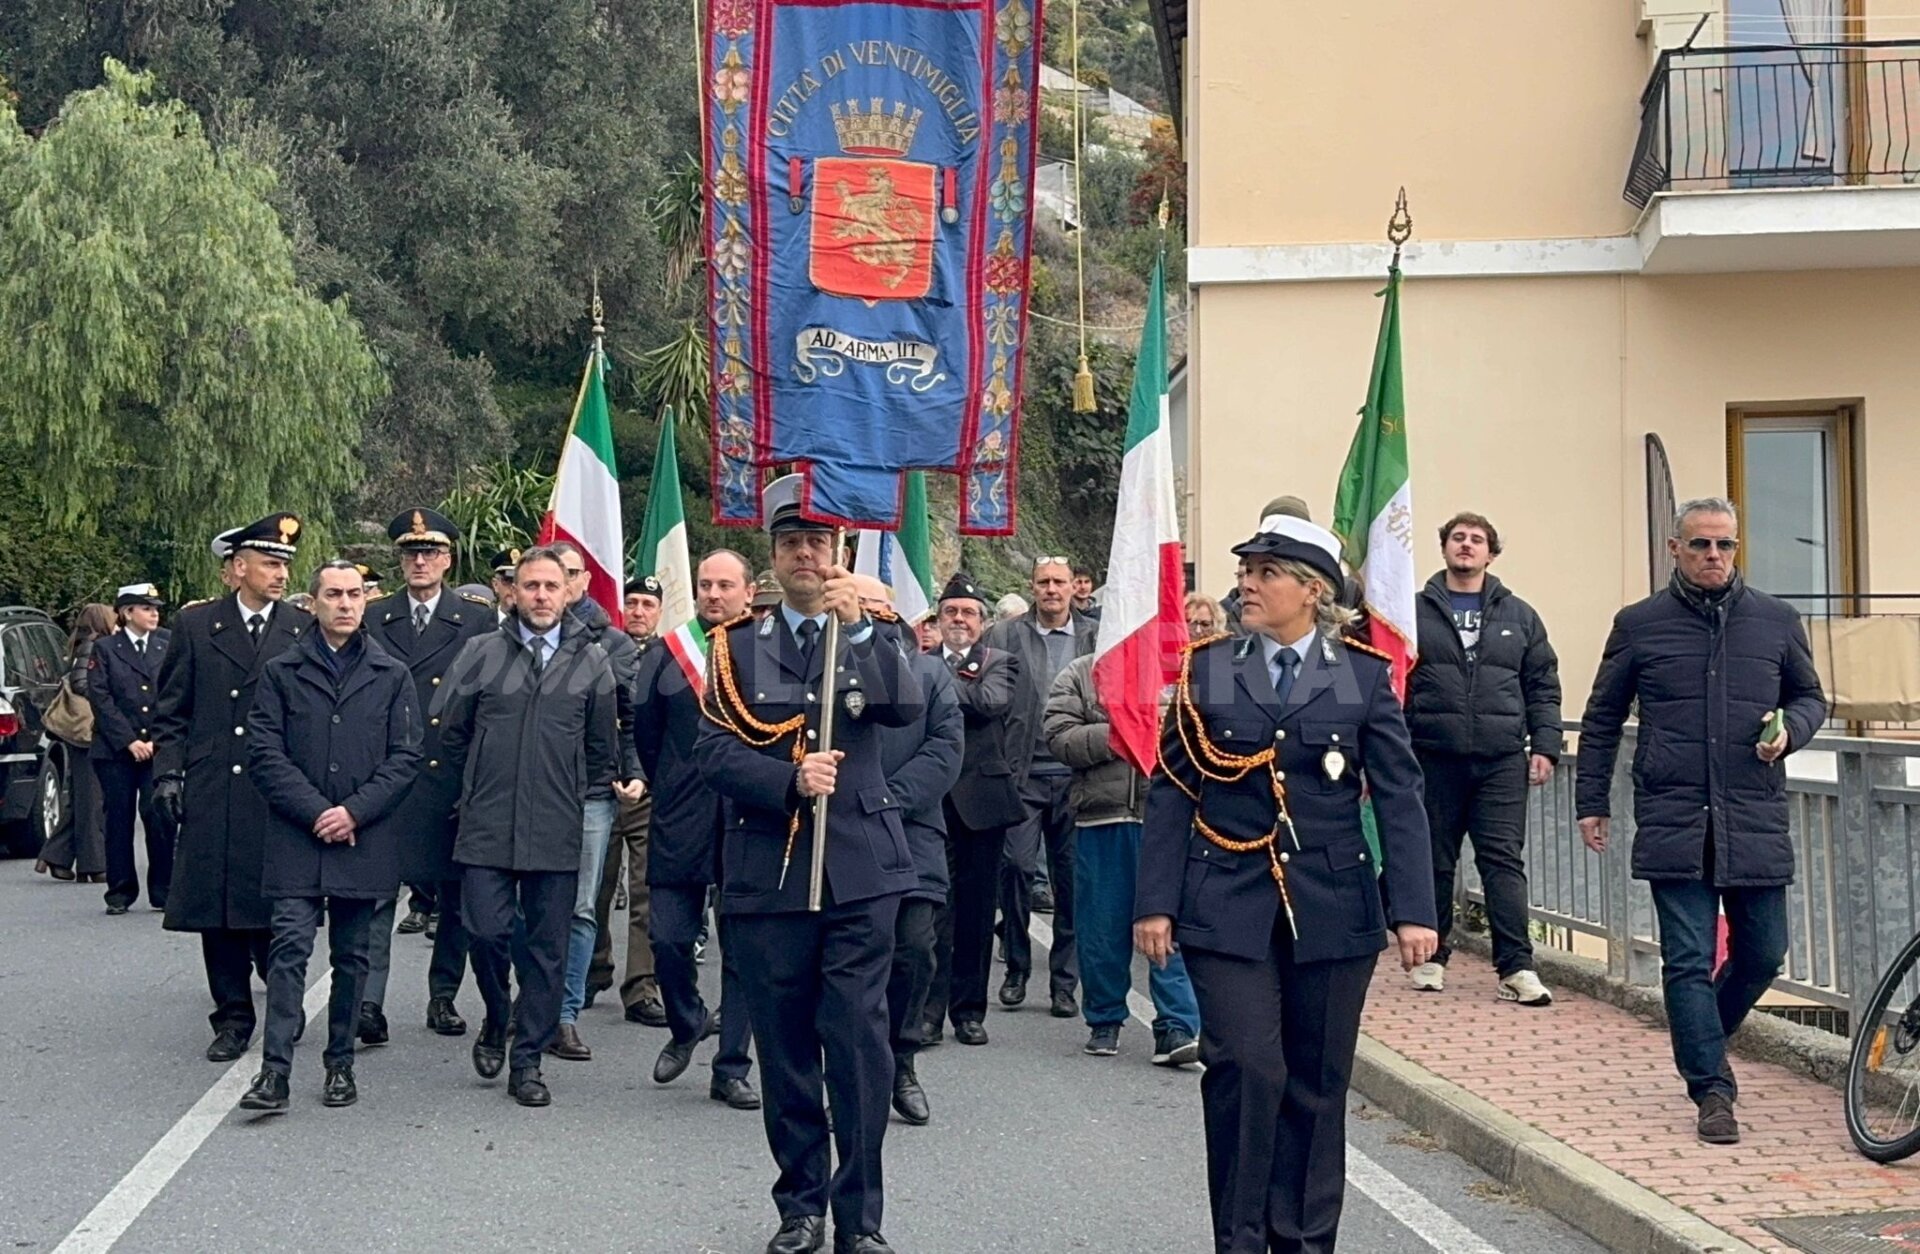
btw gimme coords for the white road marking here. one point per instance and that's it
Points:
(1410, 1208)
(108, 1221)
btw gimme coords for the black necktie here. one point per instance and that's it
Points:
(809, 634)
(1289, 665)
(539, 646)
(255, 622)
(953, 662)
(419, 619)
(140, 646)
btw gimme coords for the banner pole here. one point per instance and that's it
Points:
(817, 880)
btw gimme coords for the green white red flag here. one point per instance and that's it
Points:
(663, 553)
(1143, 623)
(903, 560)
(1373, 508)
(585, 506)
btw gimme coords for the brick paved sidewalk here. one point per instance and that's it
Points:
(1601, 1081)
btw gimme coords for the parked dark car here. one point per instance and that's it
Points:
(33, 765)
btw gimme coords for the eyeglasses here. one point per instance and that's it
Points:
(574, 572)
(1700, 544)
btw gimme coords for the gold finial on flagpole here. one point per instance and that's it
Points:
(599, 310)
(1399, 226)
(1165, 213)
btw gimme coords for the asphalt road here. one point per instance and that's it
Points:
(115, 1132)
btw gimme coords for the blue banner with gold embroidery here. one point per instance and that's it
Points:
(869, 166)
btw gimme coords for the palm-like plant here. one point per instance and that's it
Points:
(496, 507)
(678, 212)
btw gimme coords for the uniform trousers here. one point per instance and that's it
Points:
(679, 912)
(964, 925)
(126, 789)
(632, 821)
(448, 967)
(914, 962)
(492, 902)
(1278, 1044)
(816, 987)
(296, 920)
(231, 955)
(1048, 831)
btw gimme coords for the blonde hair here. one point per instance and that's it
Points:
(1328, 613)
(1201, 601)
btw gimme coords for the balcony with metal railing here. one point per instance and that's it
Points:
(1779, 157)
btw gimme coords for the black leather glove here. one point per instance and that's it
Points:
(169, 793)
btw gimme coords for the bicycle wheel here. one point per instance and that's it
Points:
(1883, 1072)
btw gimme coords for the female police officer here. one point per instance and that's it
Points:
(1254, 862)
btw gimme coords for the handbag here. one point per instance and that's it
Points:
(69, 716)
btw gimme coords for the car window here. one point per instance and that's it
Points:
(32, 655)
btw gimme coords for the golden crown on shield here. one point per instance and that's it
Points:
(875, 132)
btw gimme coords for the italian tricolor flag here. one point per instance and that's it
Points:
(585, 508)
(1373, 508)
(1143, 623)
(662, 553)
(903, 560)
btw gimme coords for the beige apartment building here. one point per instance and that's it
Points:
(1631, 218)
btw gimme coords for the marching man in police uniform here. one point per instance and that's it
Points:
(126, 673)
(816, 983)
(1253, 861)
(424, 629)
(207, 681)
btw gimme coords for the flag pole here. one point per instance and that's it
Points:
(1399, 228)
(816, 881)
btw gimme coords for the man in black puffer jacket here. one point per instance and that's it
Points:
(1483, 706)
(1711, 663)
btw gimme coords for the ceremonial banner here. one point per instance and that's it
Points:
(869, 166)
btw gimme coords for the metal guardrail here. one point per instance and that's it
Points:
(1778, 115)
(1854, 902)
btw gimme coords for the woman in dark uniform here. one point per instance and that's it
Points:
(1253, 861)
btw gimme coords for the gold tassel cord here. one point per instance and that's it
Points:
(1084, 401)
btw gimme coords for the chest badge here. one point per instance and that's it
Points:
(1335, 764)
(856, 703)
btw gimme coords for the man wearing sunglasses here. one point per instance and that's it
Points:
(1726, 689)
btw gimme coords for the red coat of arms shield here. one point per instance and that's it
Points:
(874, 220)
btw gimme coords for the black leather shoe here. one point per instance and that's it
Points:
(970, 1032)
(1064, 1006)
(802, 1234)
(116, 907)
(933, 1034)
(860, 1243)
(527, 1088)
(909, 1099)
(1043, 900)
(227, 1046)
(267, 1094)
(649, 1011)
(489, 1050)
(444, 1019)
(674, 1058)
(568, 1045)
(373, 1025)
(414, 922)
(736, 1093)
(339, 1089)
(433, 925)
(1013, 991)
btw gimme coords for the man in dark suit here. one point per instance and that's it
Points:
(922, 762)
(126, 670)
(816, 981)
(333, 743)
(979, 811)
(207, 680)
(684, 858)
(424, 630)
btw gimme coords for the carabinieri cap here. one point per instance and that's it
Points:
(422, 528)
